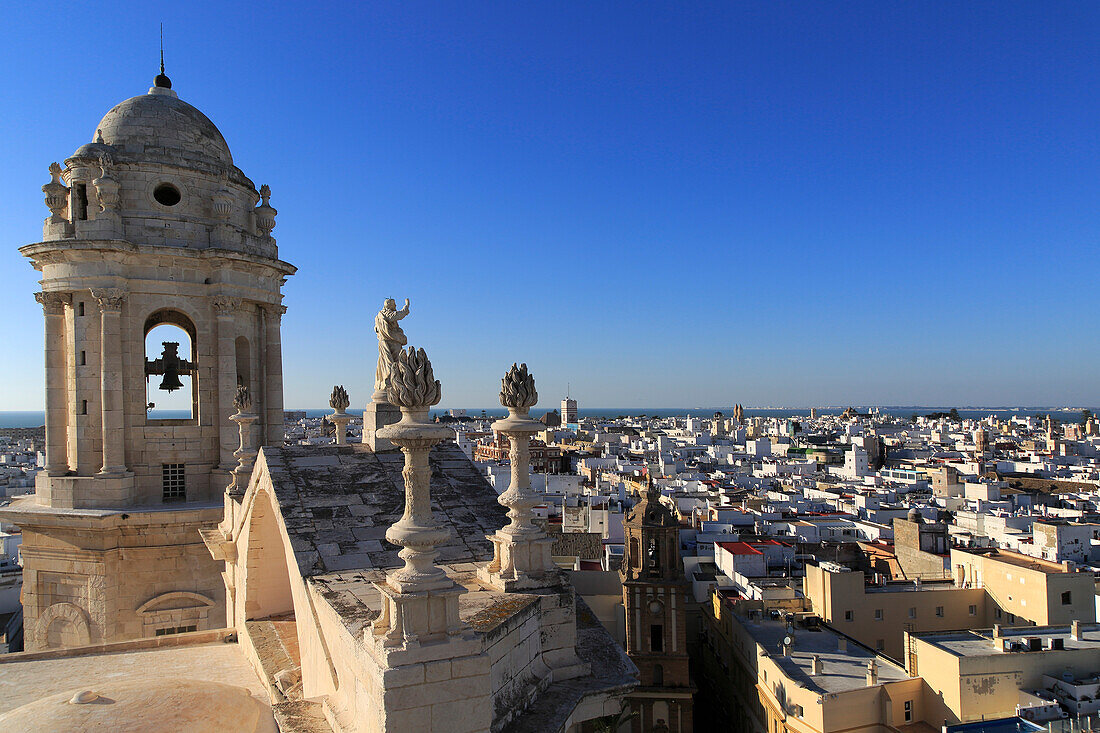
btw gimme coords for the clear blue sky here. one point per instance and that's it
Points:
(661, 204)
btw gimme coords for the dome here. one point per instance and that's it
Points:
(914, 515)
(162, 127)
(148, 704)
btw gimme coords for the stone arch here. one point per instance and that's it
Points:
(172, 325)
(175, 612)
(267, 590)
(62, 625)
(174, 600)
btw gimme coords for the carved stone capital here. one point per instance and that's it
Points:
(53, 304)
(225, 305)
(273, 311)
(109, 299)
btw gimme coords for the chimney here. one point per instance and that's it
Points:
(816, 667)
(872, 673)
(1075, 630)
(841, 644)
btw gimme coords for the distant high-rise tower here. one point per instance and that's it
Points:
(153, 235)
(568, 411)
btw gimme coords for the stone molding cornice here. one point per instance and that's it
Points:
(53, 303)
(74, 250)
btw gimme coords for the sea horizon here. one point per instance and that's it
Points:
(36, 418)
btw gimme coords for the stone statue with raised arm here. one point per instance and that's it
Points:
(391, 339)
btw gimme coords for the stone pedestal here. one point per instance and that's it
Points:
(521, 550)
(377, 416)
(245, 455)
(340, 421)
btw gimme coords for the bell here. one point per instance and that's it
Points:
(171, 381)
(170, 365)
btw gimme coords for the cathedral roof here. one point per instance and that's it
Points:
(162, 127)
(338, 501)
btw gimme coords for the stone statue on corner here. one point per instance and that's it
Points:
(391, 339)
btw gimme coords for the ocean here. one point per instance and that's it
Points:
(30, 419)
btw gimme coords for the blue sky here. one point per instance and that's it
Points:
(662, 204)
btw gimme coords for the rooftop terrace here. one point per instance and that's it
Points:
(842, 670)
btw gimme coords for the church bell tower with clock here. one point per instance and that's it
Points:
(655, 594)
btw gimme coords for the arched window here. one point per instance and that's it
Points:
(658, 674)
(635, 553)
(170, 392)
(244, 363)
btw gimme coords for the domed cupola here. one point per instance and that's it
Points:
(161, 126)
(159, 172)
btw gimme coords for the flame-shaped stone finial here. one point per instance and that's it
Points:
(412, 384)
(339, 400)
(517, 389)
(243, 400)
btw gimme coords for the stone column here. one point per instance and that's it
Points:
(420, 600)
(273, 370)
(53, 307)
(339, 402)
(225, 310)
(246, 453)
(521, 557)
(110, 380)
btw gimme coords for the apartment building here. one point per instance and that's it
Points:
(879, 615)
(1028, 590)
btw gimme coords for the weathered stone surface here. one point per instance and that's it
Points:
(327, 494)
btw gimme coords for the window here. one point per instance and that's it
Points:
(170, 369)
(878, 614)
(908, 711)
(1067, 598)
(176, 630)
(656, 638)
(880, 644)
(848, 615)
(912, 613)
(939, 611)
(173, 482)
(166, 194)
(658, 674)
(83, 358)
(997, 613)
(80, 308)
(84, 407)
(973, 610)
(80, 202)
(635, 553)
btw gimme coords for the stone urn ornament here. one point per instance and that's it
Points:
(339, 402)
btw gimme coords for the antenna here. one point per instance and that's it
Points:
(162, 48)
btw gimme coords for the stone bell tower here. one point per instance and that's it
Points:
(655, 598)
(150, 225)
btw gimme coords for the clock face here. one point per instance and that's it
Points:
(655, 607)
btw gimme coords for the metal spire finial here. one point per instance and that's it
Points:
(162, 80)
